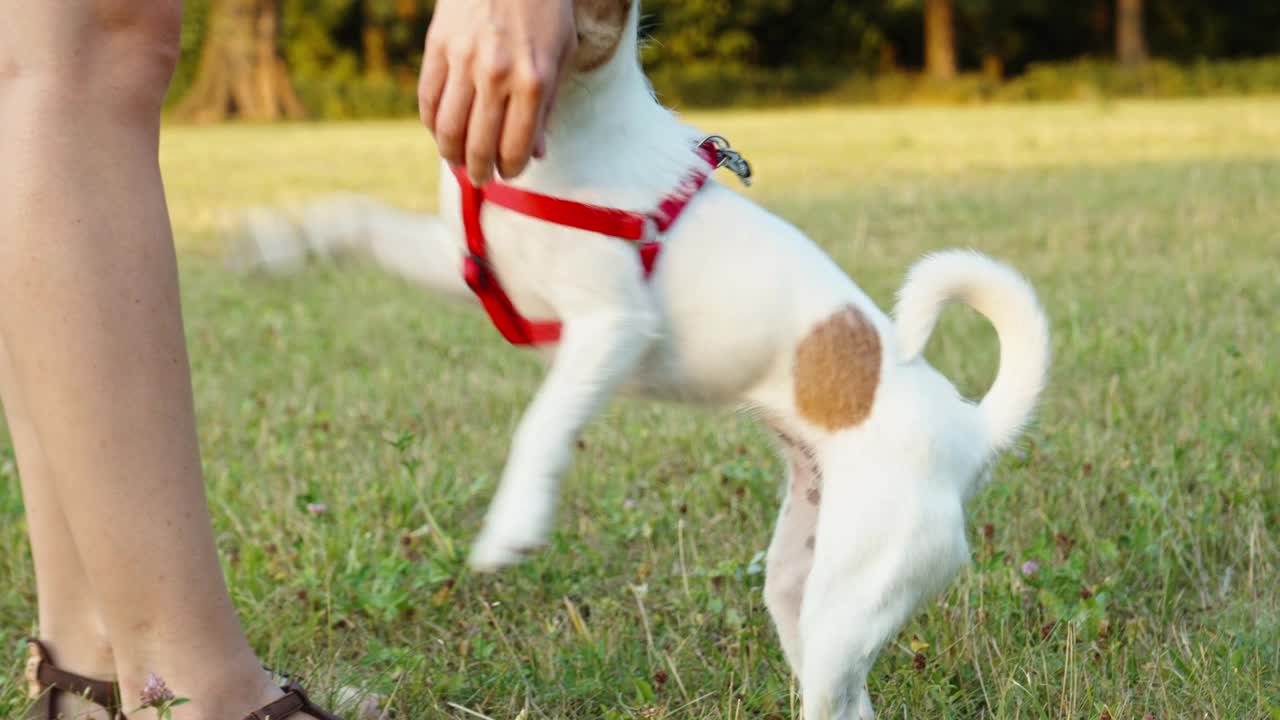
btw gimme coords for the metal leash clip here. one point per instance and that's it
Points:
(728, 157)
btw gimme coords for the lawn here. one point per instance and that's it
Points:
(1148, 492)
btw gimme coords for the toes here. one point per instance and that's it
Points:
(364, 705)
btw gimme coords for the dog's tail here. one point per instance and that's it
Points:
(416, 246)
(1009, 303)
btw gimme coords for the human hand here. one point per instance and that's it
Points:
(489, 74)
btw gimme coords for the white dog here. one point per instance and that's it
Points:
(741, 309)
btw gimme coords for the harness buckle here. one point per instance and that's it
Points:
(727, 157)
(476, 271)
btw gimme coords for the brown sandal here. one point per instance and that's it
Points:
(295, 701)
(45, 681)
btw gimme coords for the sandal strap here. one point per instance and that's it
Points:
(43, 675)
(295, 700)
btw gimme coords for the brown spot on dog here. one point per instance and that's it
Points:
(814, 496)
(837, 370)
(810, 542)
(601, 24)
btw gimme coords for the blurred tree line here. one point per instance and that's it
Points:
(268, 59)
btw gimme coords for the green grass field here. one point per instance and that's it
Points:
(1148, 492)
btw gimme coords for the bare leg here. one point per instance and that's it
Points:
(70, 625)
(98, 385)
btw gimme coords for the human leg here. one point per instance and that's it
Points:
(91, 325)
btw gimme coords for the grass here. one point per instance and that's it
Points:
(1147, 492)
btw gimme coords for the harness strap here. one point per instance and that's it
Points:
(478, 272)
(479, 276)
(592, 218)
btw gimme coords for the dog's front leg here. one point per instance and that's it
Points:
(597, 352)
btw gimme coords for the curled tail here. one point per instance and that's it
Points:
(416, 246)
(1006, 299)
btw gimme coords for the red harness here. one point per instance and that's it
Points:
(636, 227)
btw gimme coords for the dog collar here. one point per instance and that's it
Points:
(637, 227)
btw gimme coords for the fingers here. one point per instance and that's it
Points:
(549, 100)
(493, 74)
(489, 75)
(435, 70)
(550, 92)
(483, 136)
(522, 125)
(453, 116)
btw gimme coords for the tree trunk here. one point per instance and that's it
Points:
(241, 74)
(1100, 23)
(939, 39)
(1131, 44)
(993, 67)
(407, 12)
(888, 58)
(374, 39)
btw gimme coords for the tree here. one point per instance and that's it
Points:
(391, 37)
(939, 39)
(240, 72)
(702, 31)
(1002, 33)
(1131, 44)
(373, 38)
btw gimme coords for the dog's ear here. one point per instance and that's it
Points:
(601, 24)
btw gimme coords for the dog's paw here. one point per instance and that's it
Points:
(495, 551)
(517, 525)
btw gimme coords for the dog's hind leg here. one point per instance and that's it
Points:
(885, 544)
(597, 352)
(844, 624)
(790, 553)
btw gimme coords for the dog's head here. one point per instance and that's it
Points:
(605, 31)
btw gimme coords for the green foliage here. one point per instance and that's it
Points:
(1091, 79)
(694, 30)
(339, 97)
(195, 14)
(359, 58)
(707, 84)
(326, 47)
